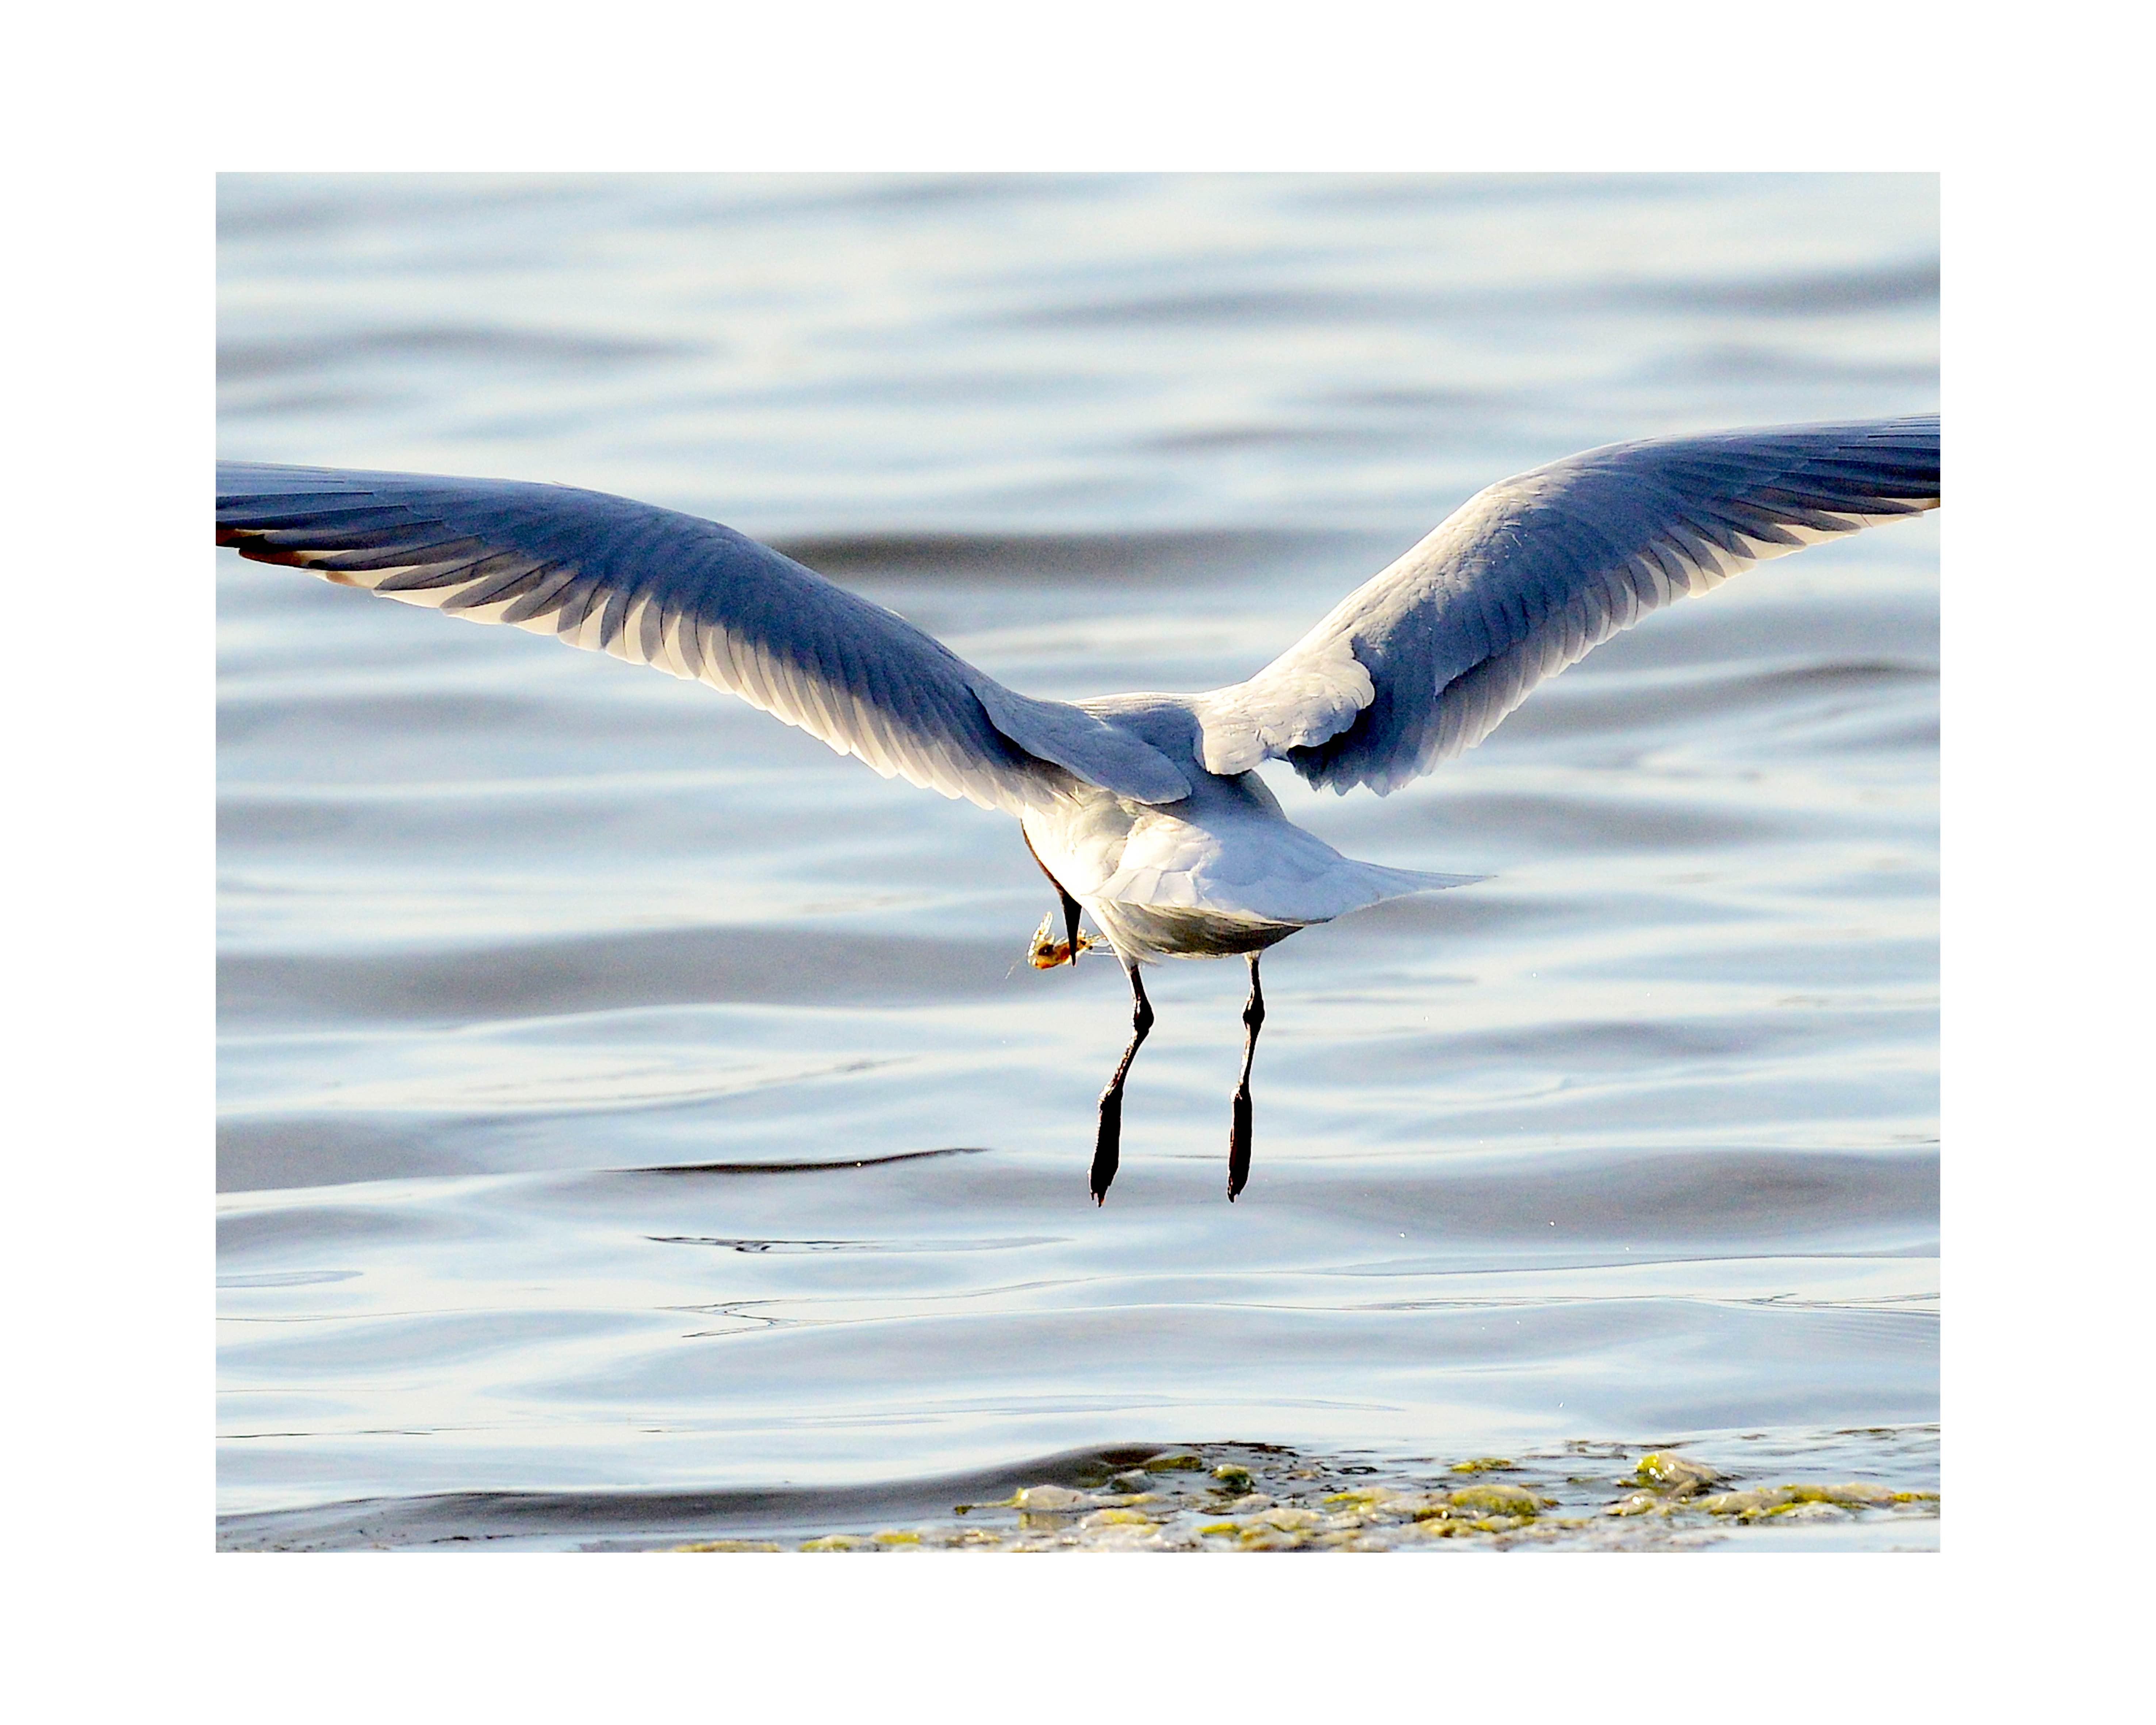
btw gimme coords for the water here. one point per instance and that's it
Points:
(620, 1094)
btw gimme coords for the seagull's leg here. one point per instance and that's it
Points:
(1107, 1147)
(1239, 1125)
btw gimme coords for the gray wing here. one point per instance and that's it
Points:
(694, 598)
(1425, 660)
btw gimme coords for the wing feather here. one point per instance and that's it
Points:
(1527, 577)
(695, 598)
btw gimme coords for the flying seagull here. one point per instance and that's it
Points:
(1143, 809)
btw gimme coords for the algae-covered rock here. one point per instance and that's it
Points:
(1484, 1464)
(1637, 1503)
(1496, 1499)
(731, 1545)
(1377, 1504)
(836, 1543)
(1232, 1479)
(1811, 1510)
(1744, 1503)
(895, 1536)
(1777, 1501)
(1678, 1475)
(1179, 1461)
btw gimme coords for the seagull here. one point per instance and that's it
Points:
(1145, 811)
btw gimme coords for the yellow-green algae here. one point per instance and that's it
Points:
(1251, 1498)
(1502, 1501)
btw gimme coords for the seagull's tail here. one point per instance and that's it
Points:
(1403, 883)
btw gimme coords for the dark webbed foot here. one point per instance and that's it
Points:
(1239, 1120)
(1107, 1144)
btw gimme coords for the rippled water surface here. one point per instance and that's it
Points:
(621, 1094)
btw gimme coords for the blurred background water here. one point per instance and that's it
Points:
(619, 1092)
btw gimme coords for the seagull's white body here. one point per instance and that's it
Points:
(1218, 872)
(1143, 809)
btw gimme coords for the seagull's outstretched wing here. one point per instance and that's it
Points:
(1423, 661)
(694, 598)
